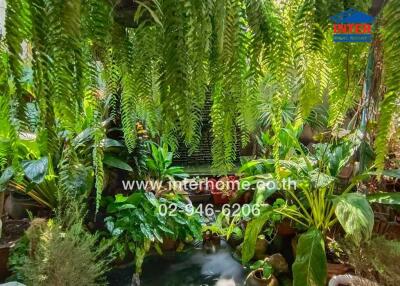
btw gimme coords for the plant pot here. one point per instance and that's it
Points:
(307, 135)
(278, 263)
(220, 198)
(260, 250)
(4, 254)
(246, 197)
(285, 228)
(337, 269)
(211, 239)
(346, 172)
(200, 198)
(234, 240)
(255, 278)
(169, 244)
(18, 204)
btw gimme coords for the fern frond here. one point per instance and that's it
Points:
(389, 107)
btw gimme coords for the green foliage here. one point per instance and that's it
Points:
(140, 220)
(61, 251)
(244, 53)
(265, 266)
(384, 198)
(375, 259)
(389, 106)
(356, 216)
(18, 257)
(310, 266)
(159, 163)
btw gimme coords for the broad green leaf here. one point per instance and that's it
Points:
(120, 198)
(355, 215)
(309, 268)
(394, 173)
(146, 231)
(320, 180)
(108, 142)
(253, 228)
(36, 170)
(116, 163)
(384, 198)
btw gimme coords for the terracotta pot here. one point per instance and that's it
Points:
(307, 135)
(4, 254)
(246, 197)
(220, 198)
(285, 228)
(169, 244)
(337, 269)
(278, 263)
(17, 205)
(260, 250)
(255, 278)
(234, 240)
(346, 172)
(211, 238)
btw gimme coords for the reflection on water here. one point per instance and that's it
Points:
(195, 267)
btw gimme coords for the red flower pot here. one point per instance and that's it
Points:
(220, 197)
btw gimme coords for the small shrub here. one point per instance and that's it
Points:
(377, 260)
(62, 252)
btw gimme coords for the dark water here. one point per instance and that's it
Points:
(193, 267)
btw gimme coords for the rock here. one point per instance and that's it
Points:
(225, 282)
(278, 263)
(12, 284)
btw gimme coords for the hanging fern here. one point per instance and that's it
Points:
(389, 107)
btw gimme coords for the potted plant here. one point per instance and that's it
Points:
(261, 275)
(142, 220)
(212, 236)
(198, 189)
(223, 191)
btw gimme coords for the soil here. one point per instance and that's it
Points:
(12, 230)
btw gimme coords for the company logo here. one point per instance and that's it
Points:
(352, 26)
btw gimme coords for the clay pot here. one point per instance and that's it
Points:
(234, 240)
(169, 244)
(211, 239)
(285, 228)
(307, 135)
(255, 278)
(260, 249)
(346, 172)
(278, 263)
(17, 204)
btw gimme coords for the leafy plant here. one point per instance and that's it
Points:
(310, 265)
(61, 251)
(374, 259)
(267, 269)
(141, 220)
(159, 163)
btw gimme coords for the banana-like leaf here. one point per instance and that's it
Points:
(384, 198)
(309, 267)
(355, 215)
(36, 170)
